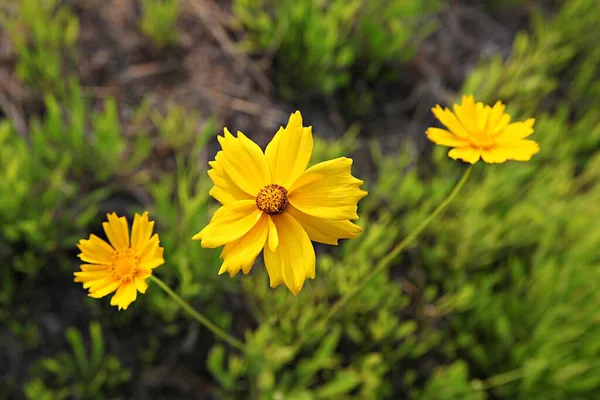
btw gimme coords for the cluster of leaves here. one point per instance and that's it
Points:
(500, 293)
(74, 374)
(158, 21)
(43, 33)
(497, 300)
(318, 45)
(52, 181)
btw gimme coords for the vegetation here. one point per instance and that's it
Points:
(498, 299)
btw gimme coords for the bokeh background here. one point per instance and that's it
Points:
(115, 105)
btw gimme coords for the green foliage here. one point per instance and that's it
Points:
(182, 205)
(75, 373)
(555, 49)
(69, 152)
(317, 45)
(43, 33)
(451, 382)
(497, 299)
(158, 21)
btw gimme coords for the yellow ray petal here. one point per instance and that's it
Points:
(494, 156)
(445, 138)
(497, 120)
(467, 154)
(87, 276)
(94, 267)
(328, 190)
(95, 250)
(241, 254)
(481, 116)
(244, 162)
(151, 246)
(126, 294)
(520, 150)
(226, 190)
(294, 259)
(324, 231)
(140, 284)
(515, 131)
(141, 231)
(290, 151)
(229, 223)
(273, 236)
(117, 231)
(449, 120)
(98, 291)
(465, 112)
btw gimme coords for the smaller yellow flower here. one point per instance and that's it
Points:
(479, 131)
(122, 265)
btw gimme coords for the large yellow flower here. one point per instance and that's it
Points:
(121, 265)
(272, 202)
(478, 131)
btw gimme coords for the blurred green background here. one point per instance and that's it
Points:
(115, 105)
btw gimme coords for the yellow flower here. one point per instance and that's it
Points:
(121, 265)
(271, 201)
(477, 131)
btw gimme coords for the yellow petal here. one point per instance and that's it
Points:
(117, 231)
(241, 254)
(148, 252)
(94, 267)
(467, 154)
(328, 190)
(494, 156)
(125, 295)
(520, 150)
(515, 131)
(96, 284)
(324, 231)
(465, 112)
(155, 262)
(294, 259)
(273, 236)
(87, 276)
(445, 138)
(449, 120)
(229, 223)
(226, 190)
(95, 250)
(290, 151)
(141, 231)
(101, 290)
(481, 116)
(497, 120)
(140, 284)
(244, 162)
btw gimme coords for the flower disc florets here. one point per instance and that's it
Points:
(272, 199)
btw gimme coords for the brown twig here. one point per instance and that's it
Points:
(207, 12)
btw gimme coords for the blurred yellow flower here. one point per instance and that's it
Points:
(479, 131)
(121, 265)
(271, 201)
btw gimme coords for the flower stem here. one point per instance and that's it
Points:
(226, 337)
(387, 260)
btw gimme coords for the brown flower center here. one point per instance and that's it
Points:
(272, 199)
(124, 264)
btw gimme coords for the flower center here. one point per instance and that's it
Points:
(124, 264)
(272, 199)
(482, 140)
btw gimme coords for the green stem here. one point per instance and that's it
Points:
(226, 337)
(387, 260)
